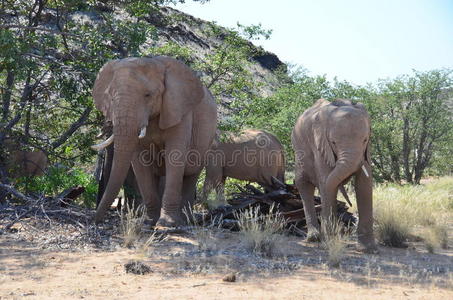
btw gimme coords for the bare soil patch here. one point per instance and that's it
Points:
(44, 258)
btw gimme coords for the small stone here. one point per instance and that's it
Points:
(230, 278)
(137, 267)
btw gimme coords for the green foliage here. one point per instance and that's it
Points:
(174, 50)
(49, 71)
(58, 179)
(226, 69)
(412, 123)
(412, 128)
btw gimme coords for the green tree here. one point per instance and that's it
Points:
(50, 53)
(412, 123)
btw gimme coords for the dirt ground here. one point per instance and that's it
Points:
(192, 266)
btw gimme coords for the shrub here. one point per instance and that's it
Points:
(262, 234)
(58, 179)
(435, 237)
(392, 228)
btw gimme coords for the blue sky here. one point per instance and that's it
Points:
(356, 40)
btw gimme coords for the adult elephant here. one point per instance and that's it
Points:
(254, 155)
(331, 141)
(164, 120)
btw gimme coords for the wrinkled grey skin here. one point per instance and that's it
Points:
(331, 142)
(253, 155)
(155, 104)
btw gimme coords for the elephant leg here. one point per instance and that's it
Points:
(220, 190)
(364, 193)
(132, 193)
(161, 186)
(171, 212)
(328, 203)
(207, 187)
(307, 191)
(147, 183)
(189, 192)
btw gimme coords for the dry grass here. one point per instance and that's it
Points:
(131, 222)
(334, 241)
(392, 226)
(262, 234)
(404, 210)
(205, 234)
(435, 237)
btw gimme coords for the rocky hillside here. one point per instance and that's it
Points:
(192, 32)
(51, 52)
(200, 38)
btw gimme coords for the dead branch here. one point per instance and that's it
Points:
(11, 190)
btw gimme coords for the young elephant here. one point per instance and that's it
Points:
(254, 155)
(24, 162)
(331, 144)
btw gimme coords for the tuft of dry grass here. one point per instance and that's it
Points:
(262, 234)
(205, 234)
(392, 227)
(435, 237)
(333, 239)
(401, 210)
(131, 222)
(153, 239)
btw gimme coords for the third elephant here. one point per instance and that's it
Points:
(331, 141)
(253, 155)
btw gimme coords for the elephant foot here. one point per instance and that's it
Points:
(153, 217)
(313, 236)
(169, 220)
(97, 219)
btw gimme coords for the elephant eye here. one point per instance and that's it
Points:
(333, 143)
(365, 140)
(147, 94)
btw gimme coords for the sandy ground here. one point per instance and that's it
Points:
(179, 270)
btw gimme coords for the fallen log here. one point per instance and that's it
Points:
(69, 195)
(285, 199)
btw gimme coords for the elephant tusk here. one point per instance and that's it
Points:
(365, 171)
(100, 134)
(103, 145)
(142, 132)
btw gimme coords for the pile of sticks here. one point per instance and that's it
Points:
(58, 208)
(284, 199)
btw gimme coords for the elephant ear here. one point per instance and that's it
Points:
(368, 150)
(183, 91)
(368, 153)
(100, 94)
(321, 142)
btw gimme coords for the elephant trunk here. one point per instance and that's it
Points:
(121, 164)
(125, 132)
(346, 165)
